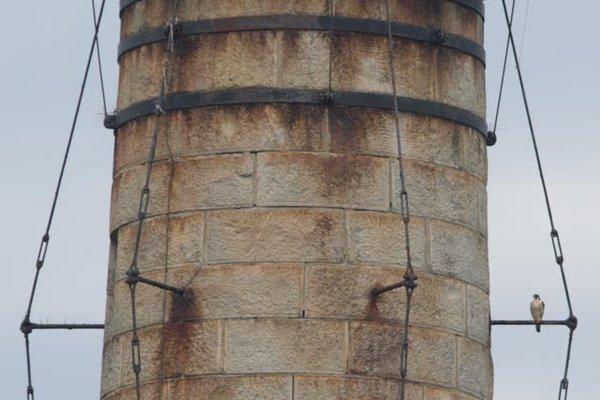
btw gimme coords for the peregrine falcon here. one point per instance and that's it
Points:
(537, 310)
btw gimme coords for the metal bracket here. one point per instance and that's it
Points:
(27, 326)
(406, 283)
(570, 322)
(307, 22)
(188, 100)
(491, 138)
(133, 278)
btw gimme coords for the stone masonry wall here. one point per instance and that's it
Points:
(279, 219)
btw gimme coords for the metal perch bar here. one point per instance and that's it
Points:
(570, 322)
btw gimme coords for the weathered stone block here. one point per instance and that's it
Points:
(149, 391)
(345, 292)
(461, 81)
(274, 235)
(483, 205)
(460, 20)
(478, 314)
(232, 388)
(253, 59)
(439, 303)
(127, 190)
(360, 63)
(111, 365)
(216, 181)
(439, 192)
(302, 59)
(379, 238)
(192, 348)
(322, 180)
(475, 153)
(445, 394)
(474, 368)
(140, 73)
(186, 238)
(286, 345)
(230, 8)
(434, 140)
(459, 252)
(432, 357)
(151, 254)
(238, 291)
(334, 388)
(375, 350)
(362, 131)
(254, 127)
(133, 143)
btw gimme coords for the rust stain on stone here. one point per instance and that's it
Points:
(348, 130)
(343, 173)
(372, 310)
(183, 308)
(325, 224)
(178, 334)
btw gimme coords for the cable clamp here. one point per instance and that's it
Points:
(26, 326)
(572, 322)
(110, 121)
(437, 37)
(491, 138)
(325, 98)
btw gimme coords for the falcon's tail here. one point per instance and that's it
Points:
(537, 327)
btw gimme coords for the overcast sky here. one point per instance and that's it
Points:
(43, 53)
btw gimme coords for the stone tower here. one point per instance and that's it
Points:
(278, 210)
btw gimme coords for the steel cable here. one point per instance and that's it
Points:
(43, 247)
(554, 235)
(133, 273)
(409, 276)
(99, 57)
(503, 77)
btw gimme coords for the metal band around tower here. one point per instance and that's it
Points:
(306, 23)
(475, 5)
(183, 101)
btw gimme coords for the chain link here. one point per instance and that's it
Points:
(409, 276)
(45, 241)
(133, 279)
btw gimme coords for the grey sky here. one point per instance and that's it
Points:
(43, 54)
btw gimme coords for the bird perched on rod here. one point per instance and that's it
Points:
(537, 307)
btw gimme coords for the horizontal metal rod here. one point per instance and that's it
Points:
(187, 100)
(159, 285)
(407, 283)
(66, 326)
(27, 326)
(527, 322)
(306, 23)
(379, 291)
(570, 322)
